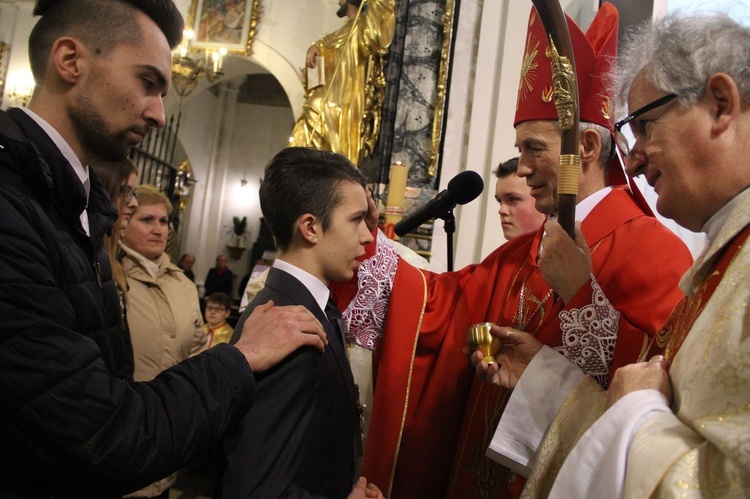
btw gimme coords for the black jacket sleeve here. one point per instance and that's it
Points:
(68, 426)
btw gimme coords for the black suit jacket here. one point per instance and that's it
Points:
(297, 440)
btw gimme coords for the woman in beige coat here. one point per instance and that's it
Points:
(166, 325)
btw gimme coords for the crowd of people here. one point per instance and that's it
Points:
(622, 367)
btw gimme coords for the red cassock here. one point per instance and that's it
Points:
(431, 419)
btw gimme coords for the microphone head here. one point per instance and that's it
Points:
(465, 187)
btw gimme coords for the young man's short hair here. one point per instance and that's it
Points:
(301, 180)
(220, 298)
(100, 24)
(506, 168)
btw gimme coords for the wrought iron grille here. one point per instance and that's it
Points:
(154, 157)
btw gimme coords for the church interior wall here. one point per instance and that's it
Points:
(230, 147)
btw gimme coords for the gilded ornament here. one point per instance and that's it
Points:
(442, 84)
(563, 77)
(569, 167)
(342, 110)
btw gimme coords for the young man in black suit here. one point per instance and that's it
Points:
(305, 417)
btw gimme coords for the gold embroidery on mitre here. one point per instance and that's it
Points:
(528, 70)
(606, 107)
(547, 94)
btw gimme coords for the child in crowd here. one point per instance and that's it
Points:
(218, 309)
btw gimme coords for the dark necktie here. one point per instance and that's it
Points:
(334, 317)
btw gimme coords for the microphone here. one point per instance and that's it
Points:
(462, 188)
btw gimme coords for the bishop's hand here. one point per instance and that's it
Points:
(565, 264)
(517, 350)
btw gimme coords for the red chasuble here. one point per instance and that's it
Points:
(422, 401)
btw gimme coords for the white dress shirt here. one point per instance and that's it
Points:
(81, 170)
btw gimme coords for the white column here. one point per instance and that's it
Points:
(479, 133)
(207, 238)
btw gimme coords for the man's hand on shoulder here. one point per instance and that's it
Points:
(271, 333)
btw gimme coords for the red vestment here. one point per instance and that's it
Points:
(424, 378)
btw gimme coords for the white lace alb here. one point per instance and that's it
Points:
(589, 335)
(365, 316)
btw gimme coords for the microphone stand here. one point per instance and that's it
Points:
(450, 229)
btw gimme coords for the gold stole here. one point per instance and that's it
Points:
(670, 337)
(587, 402)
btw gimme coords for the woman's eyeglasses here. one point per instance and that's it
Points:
(127, 193)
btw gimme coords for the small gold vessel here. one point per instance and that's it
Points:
(480, 338)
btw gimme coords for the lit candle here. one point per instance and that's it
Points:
(188, 34)
(222, 53)
(394, 205)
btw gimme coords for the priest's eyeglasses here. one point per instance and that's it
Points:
(127, 193)
(621, 139)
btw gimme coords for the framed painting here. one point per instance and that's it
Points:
(228, 24)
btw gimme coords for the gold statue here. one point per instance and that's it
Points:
(341, 112)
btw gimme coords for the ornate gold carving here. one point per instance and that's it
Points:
(374, 97)
(251, 27)
(437, 121)
(187, 63)
(254, 18)
(562, 78)
(3, 47)
(190, 21)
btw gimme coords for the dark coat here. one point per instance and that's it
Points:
(72, 424)
(304, 416)
(218, 283)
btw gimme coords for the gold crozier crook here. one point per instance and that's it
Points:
(565, 93)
